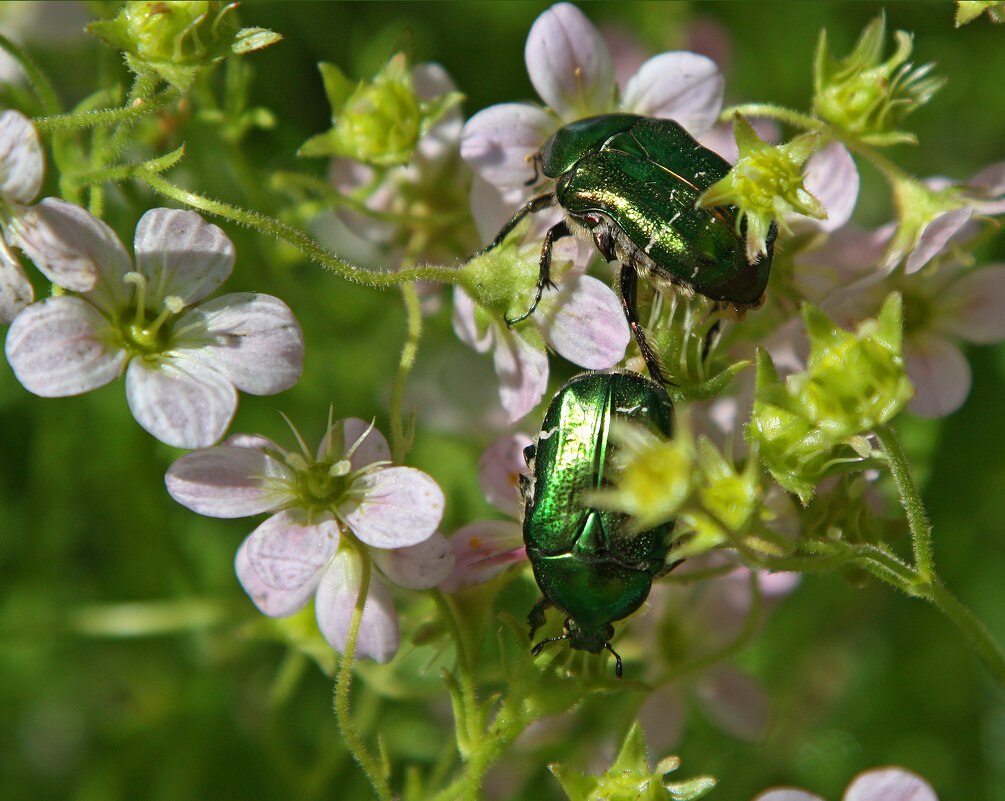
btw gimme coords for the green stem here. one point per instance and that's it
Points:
(910, 499)
(400, 442)
(971, 628)
(465, 673)
(106, 116)
(307, 246)
(342, 683)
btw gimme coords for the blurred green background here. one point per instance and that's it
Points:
(858, 677)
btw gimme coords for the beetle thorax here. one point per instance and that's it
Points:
(588, 638)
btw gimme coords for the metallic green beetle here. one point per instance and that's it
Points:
(631, 183)
(590, 563)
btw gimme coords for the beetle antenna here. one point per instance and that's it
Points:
(617, 666)
(537, 648)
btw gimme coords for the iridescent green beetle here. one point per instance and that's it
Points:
(631, 183)
(589, 563)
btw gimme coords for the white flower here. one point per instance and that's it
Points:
(878, 784)
(184, 358)
(485, 548)
(347, 495)
(582, 321)
(571, 69)
(21, 170)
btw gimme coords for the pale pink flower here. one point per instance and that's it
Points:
(184, 357)
(329, 512)
(487, 547)
(22, 167)
(878, 784)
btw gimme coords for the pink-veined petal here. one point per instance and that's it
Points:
(735, 701)
(181, 402)
(832, 178)
(288, 552)
(72, 248)
(465, 325)
(181, 254)
(934, 238)
(254, 341)
(378, 635)
(787, 794)
(568, 63)
(889, 784)
(686, 87)
(419, 566)
(991, 182)
(973, 308)
(396, 507)
(499, 470)
(522, 371)
(482, 550)
(21, 162)
(55, 348)
(940, 374)
(223, 481)
(16, 290)
(498, 142)
(585, 323)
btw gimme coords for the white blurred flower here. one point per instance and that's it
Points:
(184, 358)
(878, 784)
(21, 170)
(346, 495)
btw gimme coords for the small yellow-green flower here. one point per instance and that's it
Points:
(766, 184)
(866, 97)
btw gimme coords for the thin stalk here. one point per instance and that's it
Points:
(400, 443)
(910, 499)
(342, 683)
(971, 628)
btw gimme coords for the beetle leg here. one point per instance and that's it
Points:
(536, 616)
(559, 230)
(617, 666)
(537, 648)
(629, 283)
(532, 206)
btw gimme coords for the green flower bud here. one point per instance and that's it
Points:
(967, 11)
(809, 426)
(178, 39)
(866, 97)
(766, 183)
(377, 122)
(629, 777)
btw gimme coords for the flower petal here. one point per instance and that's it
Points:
(378, 635)
(940, 374)
(973, 308)
(181, 254)
(223, 481)
(832, 178)
(585, 323)
(181, 402)
(482, 550)
(465, 325)
(788, 794)
(934, 238)
(568, 63)
(397, 507)
(735, 701)
(288, 553)
(498, 142)
(499, 471)
(889, 784)
(55, 348)
(522, 371)
(16, 290)
(255, 341)
(72, 247)
(417, 567)
(991, 182)
(686, 87)
(21, 162)
(662, 717)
